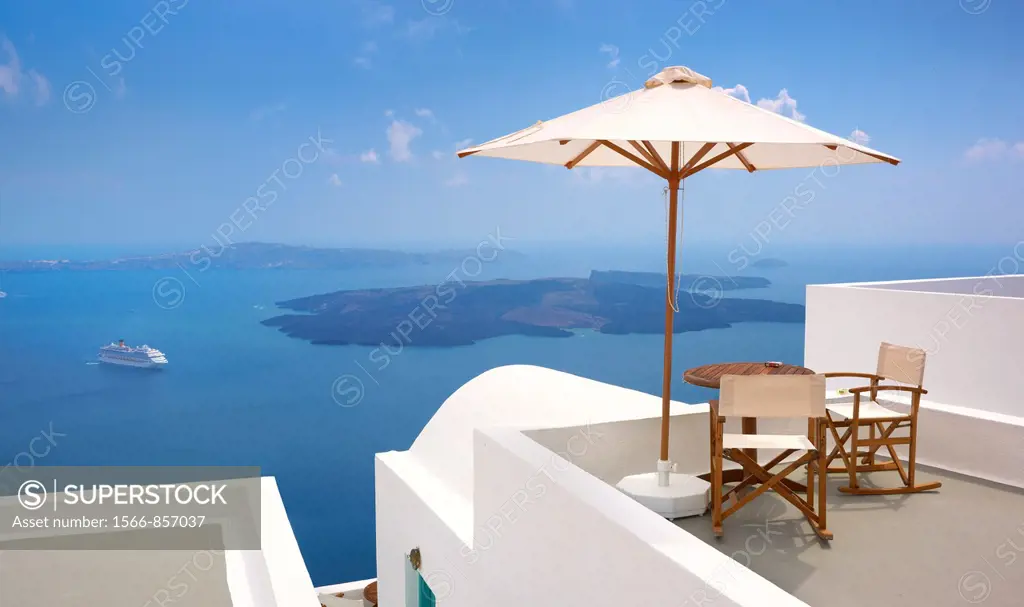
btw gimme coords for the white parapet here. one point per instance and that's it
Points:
(509, 498)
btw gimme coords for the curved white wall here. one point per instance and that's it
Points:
(526, 397)
(507, 493)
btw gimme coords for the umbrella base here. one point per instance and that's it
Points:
(684, 495)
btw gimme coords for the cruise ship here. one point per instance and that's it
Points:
(142, 356)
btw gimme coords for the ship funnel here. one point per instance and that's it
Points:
(120, 342)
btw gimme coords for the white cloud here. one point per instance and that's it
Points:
(10, 73)
(463, 144)
(613, 53)
(11, 76)
(618, 175)
(457, 180)
(332, 156)
(428, 27)
(42, 87)
(369, 156)
(121, 89)
(859, 136)
(994, 149)
(424, 113)
(400, 136)
(389, 113)
(739, 91)
(263, 112)
(782, 104)
(437, 154)
(424, 29)
(364, 59)
(334, 180)
(376, 13)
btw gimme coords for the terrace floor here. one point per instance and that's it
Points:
(960, 545)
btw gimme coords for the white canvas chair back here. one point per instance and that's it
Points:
(772, 396)
(901, 364)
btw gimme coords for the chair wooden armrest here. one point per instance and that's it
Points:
(851, 374)
(914, 389)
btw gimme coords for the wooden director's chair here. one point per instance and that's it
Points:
(905, 367)
(768, 396)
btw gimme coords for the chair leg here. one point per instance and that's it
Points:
(813, 428)
(912, 449)
(851, 461)
(822, 479)
(907, 477)
(870, 457)
(716, 480)
(912, 460)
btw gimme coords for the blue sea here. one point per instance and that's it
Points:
(238, 393)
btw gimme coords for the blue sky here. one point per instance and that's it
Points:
(127, 122)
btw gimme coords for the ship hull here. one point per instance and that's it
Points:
(140, 364)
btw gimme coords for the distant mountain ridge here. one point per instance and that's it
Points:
(256, 256)
(454, 314)
(686, 282)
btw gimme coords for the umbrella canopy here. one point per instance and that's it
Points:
(677, 105)
(676, 126)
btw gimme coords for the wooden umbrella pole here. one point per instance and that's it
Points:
(666, 386)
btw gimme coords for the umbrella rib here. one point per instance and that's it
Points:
(750, 168)
(650, 167)
(655, 155)
(891, 161)
(702, 152)
(590, 148)
(647, 155)
(731, 151)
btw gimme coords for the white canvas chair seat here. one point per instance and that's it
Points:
(772, 396)
(885, 427)
(869, 410)
(796, 442)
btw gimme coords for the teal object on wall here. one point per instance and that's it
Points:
(427, 598)
(417, 592)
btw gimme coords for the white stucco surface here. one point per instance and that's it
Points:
(972, 341)
(274, 576)
(509, 494)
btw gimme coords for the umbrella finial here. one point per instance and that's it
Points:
(677, 73)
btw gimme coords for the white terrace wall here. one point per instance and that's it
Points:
(545, 532)
(501, 519)
(556, 535)
(974, 344)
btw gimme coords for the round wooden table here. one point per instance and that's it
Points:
(710, 376)
(370, 592)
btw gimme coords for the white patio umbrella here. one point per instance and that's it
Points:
(675, 127)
